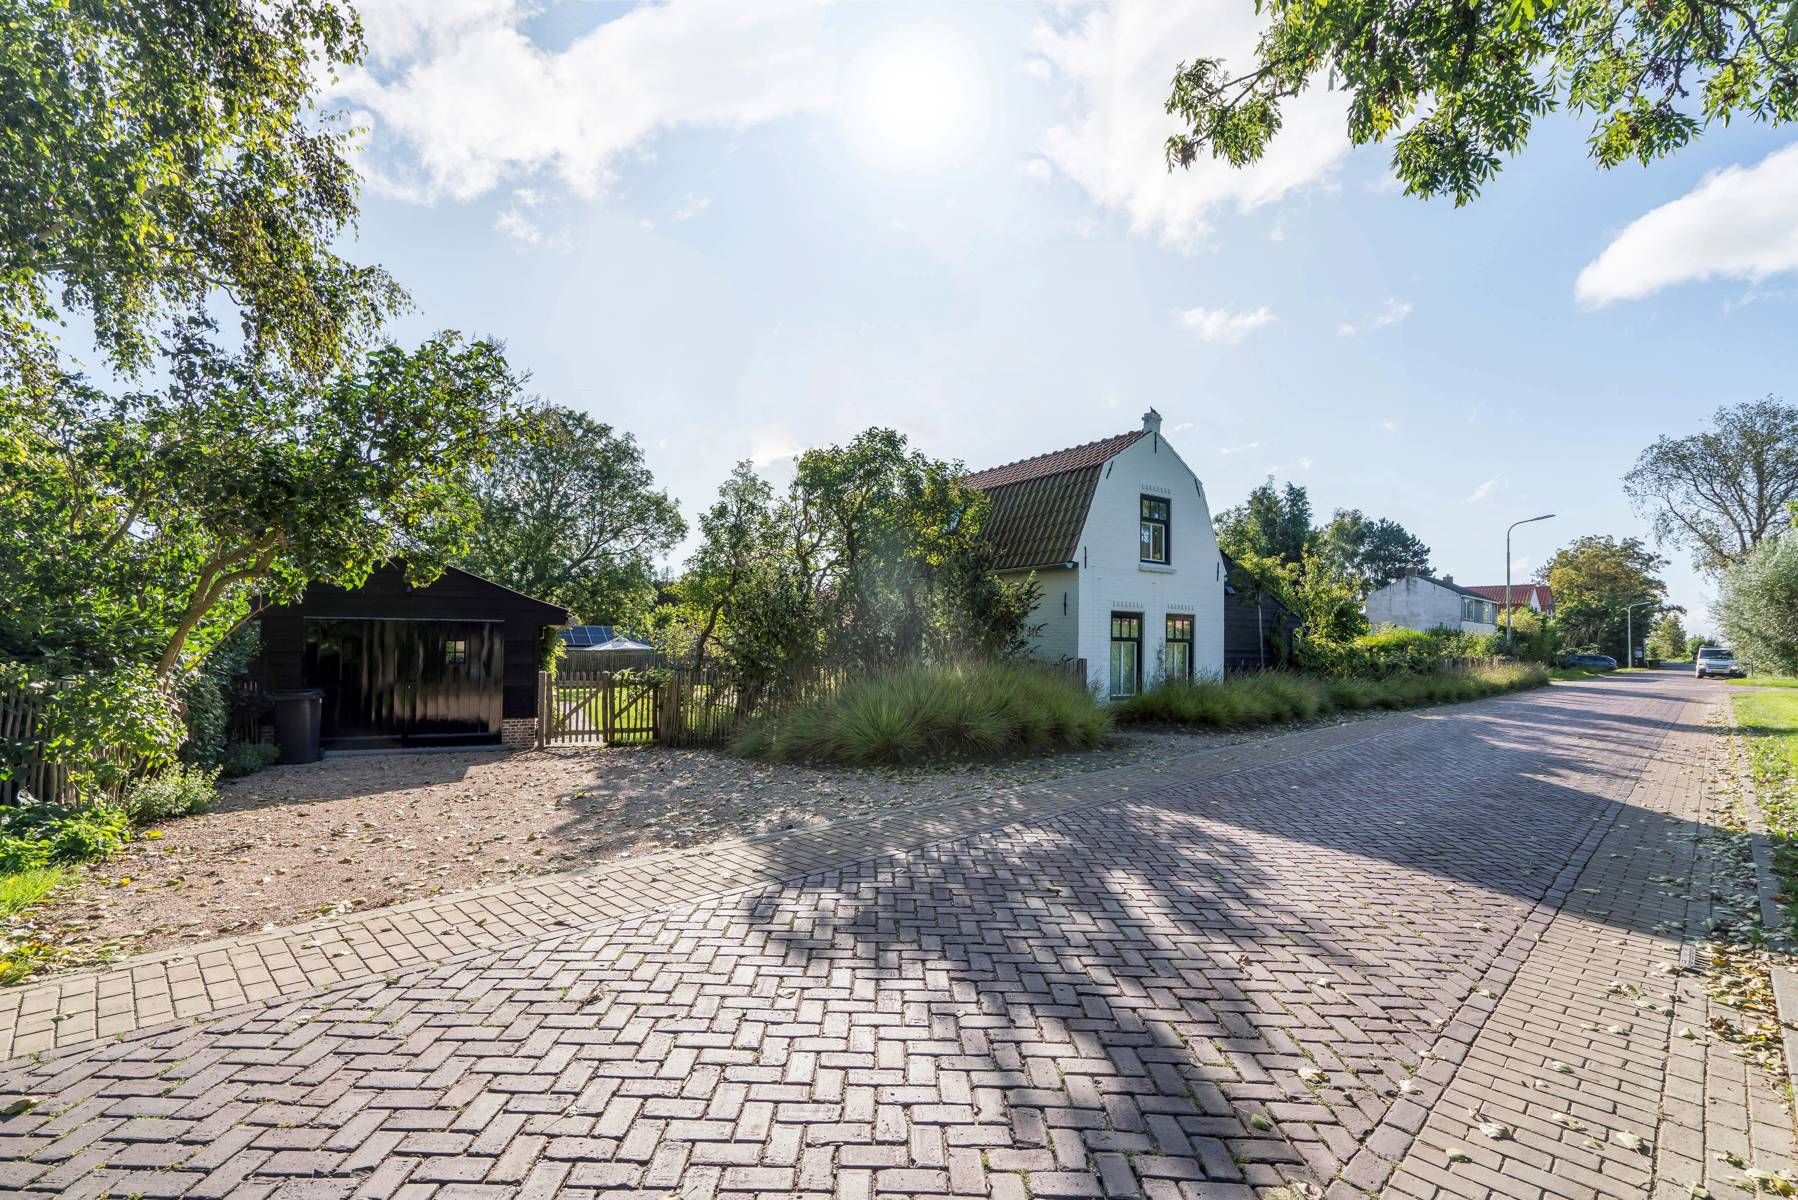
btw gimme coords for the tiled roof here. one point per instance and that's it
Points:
(1090, 455)
(1040, 504)
(1520, 593)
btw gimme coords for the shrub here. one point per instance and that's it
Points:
(247, 758)
(102, 727)
(919, 713)
(1272, 697)
(34, 836)
(176, 792)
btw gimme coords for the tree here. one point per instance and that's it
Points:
(137, 528)
(734, 535)
(1273, 523)
(1373, 553)
(1719, 493)
(873, 558)
(1593, 579)
(1758, 605)
(156, 153)
(1695, 643)
(1458, 86)
(570, 513)
(1667, 640)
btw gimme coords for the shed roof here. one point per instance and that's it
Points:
(1039, 504)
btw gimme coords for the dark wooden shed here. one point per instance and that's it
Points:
(1258, 628)
(451, 663)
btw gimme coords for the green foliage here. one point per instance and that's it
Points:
(1372, 552)
(102, 726)
(1667, 640)
(1758, 605)
(1721, 492)
(206, 696)
(872, 559)
(1458, 87)
(1593, 579)
(1273, 697)
(569, 513)
(247, 758)
(158, 154)
(925, 713)
(177, 792)
(35, 836)
(1273, 523)
(138, 528)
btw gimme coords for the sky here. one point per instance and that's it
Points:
(738, 231)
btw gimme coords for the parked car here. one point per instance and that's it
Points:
(1714, 660)
(1597, 662)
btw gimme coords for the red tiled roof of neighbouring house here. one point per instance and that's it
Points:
(1055, 462)
(1520, 594)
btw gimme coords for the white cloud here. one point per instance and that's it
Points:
(515, 224)
(1038, 169)
(1304, 463)
(1242, 449)
(1739, 223)
(1485, 490)
(1118, 62)
(691, 207)
(1222, 326)
(1391, 313)
(1392, 426)
(467, 100)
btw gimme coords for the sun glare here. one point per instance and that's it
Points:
(916, 100)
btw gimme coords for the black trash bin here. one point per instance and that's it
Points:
(296, 724)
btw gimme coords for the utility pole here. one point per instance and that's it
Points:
(1629, 633)
(1508, 528)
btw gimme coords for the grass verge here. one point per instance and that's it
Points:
(1277, 696)
(931, 713)
(1769, 725)
(1564, 674)
(1774, 681)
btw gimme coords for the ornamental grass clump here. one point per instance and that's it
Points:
(917, 714)
(1277, 697)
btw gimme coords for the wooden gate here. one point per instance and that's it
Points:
(611, 710)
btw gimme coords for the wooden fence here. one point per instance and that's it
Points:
(22, 748)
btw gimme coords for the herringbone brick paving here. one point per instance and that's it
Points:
(1215, 985)
(73, 1009)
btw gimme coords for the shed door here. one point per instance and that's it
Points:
(406, 683)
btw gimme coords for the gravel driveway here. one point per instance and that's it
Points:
(357, 832)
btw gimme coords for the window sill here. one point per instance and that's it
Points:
(1157, 568)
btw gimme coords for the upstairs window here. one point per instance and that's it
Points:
(1155, 512)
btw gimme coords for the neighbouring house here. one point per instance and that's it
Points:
(1537, 597)
(1258, 628)
(596, 648)
(1118, 534)
(451, 663)
(1422, 602)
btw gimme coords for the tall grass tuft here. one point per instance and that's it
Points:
(1274, 697)
(921, 713)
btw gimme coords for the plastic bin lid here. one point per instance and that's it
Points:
(298, 694)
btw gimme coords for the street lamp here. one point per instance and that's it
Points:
(1508, 528)
(1629, 633)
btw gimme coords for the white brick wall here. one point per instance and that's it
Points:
(1419, 603)
(1058, 612)
(1112, 577)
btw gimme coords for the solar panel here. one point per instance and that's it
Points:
(587, 635)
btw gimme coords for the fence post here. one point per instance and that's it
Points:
(543, 708)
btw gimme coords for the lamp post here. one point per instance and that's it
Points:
(1508, 528)
(1629, 633)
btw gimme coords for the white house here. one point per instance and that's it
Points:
(1119, 535)
(1420, 602)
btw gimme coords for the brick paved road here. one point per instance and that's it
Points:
(1298, 975)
